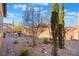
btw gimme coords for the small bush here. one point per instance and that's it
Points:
(15, 42)
(45, 41)
(24, 52)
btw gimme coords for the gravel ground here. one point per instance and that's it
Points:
(10, 49)
(71, 49)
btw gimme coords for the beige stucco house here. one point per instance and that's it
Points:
(2, 14)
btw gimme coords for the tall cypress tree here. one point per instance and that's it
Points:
(61, 26)
(54, 28)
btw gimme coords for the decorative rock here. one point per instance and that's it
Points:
(45, 52)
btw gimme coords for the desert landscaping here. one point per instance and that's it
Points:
(39, 30)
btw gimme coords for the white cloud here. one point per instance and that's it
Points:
(69, 17)
(67, 21)
(36, 8)
(8, 6)
(15, 6)
(44, 11)
(29, 8)
(45, 4)
(65, 10)
(12, 14)
(23, 7)
(71, 13)
(19, 5)
(78, 15)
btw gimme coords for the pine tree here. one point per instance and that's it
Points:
(61, 26)
(54, 28)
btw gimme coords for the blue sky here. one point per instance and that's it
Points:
(16, 11)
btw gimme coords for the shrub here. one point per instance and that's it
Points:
(24, 52)
(15, 42)
(42, 25)
(45, 41)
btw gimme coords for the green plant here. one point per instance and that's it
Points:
(24, 52)
(45, 41)
(61, 26)
(54, 27)
(43, 25)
